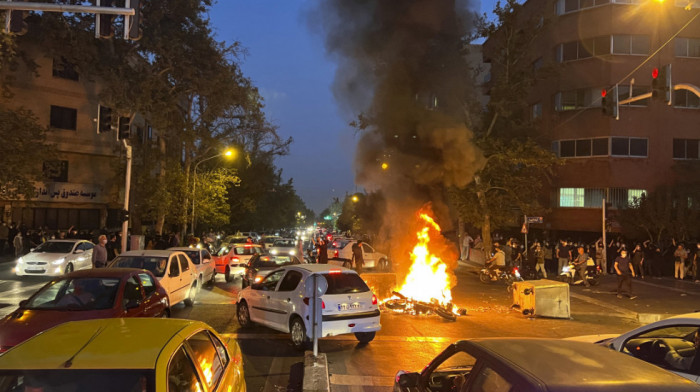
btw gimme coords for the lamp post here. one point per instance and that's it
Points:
(227, 153)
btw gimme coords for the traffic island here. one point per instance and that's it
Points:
(316, 373)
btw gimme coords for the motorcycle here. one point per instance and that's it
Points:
(506, 275)
(593, 272)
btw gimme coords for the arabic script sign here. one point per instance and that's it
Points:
(67, 192)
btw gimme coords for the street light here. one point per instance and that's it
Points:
(229, 153)
(355, 199)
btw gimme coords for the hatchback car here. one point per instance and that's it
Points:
(202, 260)
(284, 246)
(279, 302)
(117, 355)
(260, 265)
(173, 269)
(552, 365)
(84, 295)
(232, 259)
(55, 258)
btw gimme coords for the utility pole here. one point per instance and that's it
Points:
(605, 245)
(127, 190)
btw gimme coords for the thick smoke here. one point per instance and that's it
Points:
(401, 69)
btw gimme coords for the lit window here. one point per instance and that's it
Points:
(571, 197)
(634, 194)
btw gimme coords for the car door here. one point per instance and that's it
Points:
(132, 298)
(369, 256)
(282, 299)
(207, 265)
(174, 281)
(262, 306)
(152, 306)
(86, 256)
(188, 273)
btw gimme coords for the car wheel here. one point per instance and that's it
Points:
(212, 281)
(243, 314)
(298, 331)
(69, 268)
(365, 337)
(229, 278)
(484, 277)
(189, 301)
(199, 283)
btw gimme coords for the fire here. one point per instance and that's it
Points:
(428, 279)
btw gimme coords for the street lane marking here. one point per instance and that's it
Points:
(676, 289)
(604, 304)
(275, 370)
(353, 380)
(349, 337)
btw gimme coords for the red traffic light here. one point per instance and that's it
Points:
(603, 93)
(655, 73)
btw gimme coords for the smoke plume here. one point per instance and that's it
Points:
(402, 72)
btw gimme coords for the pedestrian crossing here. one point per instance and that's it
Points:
(14, 291)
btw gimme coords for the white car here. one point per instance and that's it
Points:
(284, 246)
(340, 253)
(279, 302)
(651, 342)
(232, 259)
(269, 240)
(55, 258)
(202, 260)
(173, 269)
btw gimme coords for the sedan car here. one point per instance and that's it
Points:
(672, 344)
(201, 258)
(55, 258)
(553, 365)
(279, 302)
(84, 295)
(259, 266)
(284, 246)
(118, 355)
(173, 269)
(340, 253)
(232, 259)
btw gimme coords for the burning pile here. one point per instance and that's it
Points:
(427, 287)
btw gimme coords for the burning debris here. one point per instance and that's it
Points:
(402, 304)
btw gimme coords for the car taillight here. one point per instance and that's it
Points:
(335, 254)
(374, 299)
(323, 305)
(334, 271)
(307, 301)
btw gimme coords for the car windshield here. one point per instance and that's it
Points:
(270, 240)
(343, 283)
(339, 244)
(193, 255)
(54, 247)
(76, 294)
(77, 380)
(284, 243)
(246, 250)
(154, 264)
(275, 261)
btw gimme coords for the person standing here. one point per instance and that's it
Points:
(625, 273)
(696, 261)
(563, 255)
(638, 261)
(580, 263)
(600, 256)
(539, 260)
(99, 253)
(358, 257)
(679, 257)
(18, 244)
(322, 251)
(112, 247)
(466, 246)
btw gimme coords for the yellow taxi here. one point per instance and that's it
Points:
(125, 355)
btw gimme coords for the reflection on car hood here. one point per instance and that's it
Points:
(43, 257)
(598, 339)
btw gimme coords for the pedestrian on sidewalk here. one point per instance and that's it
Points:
(696, 261)
(539, 260)
(600, 256)
(679, 257)
(99, 253)
(624, 274)
(18, 244)
(638, 261)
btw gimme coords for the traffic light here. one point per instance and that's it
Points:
(15, 22)
(123, 215)
(661, 85)
(609, 102)
(124, 128)
(134, 23)
(104, 119)
(104, 23)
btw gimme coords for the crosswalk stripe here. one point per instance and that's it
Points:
(354, 380)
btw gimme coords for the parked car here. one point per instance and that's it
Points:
(117, 355)
(173, 269)
(260, 265)
(652, 342)
(268, 241)
(201, 258)
(340, 253)
(232, 259)
(279, 302)
(55, 258)
(284, 246)
(552, 365)
(85, 295)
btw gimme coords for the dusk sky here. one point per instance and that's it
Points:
(288, 63)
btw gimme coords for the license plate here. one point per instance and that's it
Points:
(348, 306)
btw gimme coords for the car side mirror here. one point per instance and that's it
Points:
(409, 380)
(77, 251)
(23, 303)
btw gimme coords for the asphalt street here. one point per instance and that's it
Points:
(408, 342)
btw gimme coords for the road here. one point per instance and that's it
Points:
(408, 342)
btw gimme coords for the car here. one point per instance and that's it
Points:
(526, 364)
(284, 246)
(131, 354)
(232, 259)
(340, 253)
(173, 269)
(260, 265)
(55, 258)
(651, 342)
(202, 260)
(279, 302)
(83, 295)
(268, 241)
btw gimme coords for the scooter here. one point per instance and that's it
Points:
(569, 275)
(506, 275)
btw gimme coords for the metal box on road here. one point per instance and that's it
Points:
(543, 297)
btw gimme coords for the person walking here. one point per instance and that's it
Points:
(99, 253)
(625, 273)
(539, 260)
(696, 261)
(638, 261)
(563, 255)
(679, 257)
(358, 257)
(18, 244)
(580, 263)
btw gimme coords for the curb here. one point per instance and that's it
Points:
(316, 377)
(676, 289)
(642, 318)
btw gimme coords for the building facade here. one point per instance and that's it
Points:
(593, 45)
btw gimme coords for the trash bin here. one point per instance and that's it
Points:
(546, 298)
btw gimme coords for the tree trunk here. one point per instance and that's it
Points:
(160, 220)
(486, 223)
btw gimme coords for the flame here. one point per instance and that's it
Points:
(428, 279)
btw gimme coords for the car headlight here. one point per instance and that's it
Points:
(20, 261)
(273, 251)
(565, 269)
(258, 279)
(59, 261)
(292, 252)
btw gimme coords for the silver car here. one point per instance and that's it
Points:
(55, 258)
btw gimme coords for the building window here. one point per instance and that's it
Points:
(686, 148)
(537, 111)
(149, 131)
(629, 147)
(571, 197)
(581, 148)
(685, 99)
(567, 148)
(63, 69)
(633, 194)
(600, 146)
(56, 170)
(566, 6)
(630, 44)
(63, 118)
(687, 47)
(593, 197)
(576, 99)
(577, 50)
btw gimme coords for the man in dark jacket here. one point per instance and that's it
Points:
(624, 272)
(358, 256)
(322, 250)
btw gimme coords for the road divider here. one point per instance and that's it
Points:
(316, 373)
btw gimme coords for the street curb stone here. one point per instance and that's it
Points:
(316, 377)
